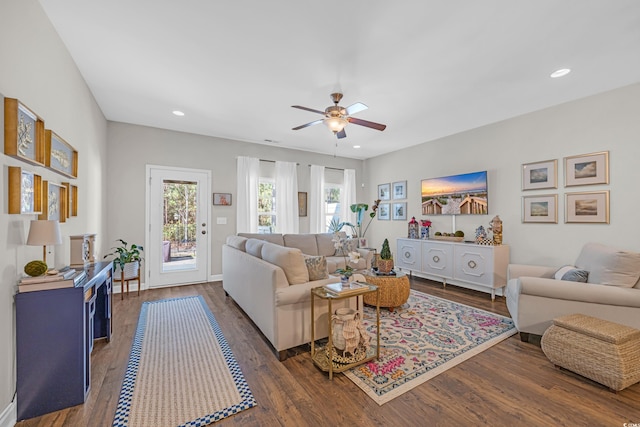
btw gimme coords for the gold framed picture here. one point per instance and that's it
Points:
(72, 199)
(591, 207)
(540, 175)
(586, 169)
(54, 202)
(25, 191)
(302, 203)
(23, 133)
(543, 208)
(59, 155)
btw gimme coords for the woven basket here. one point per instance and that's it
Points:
(603, 351)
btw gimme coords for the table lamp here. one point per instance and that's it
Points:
(43, 233)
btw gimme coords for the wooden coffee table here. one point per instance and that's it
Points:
(394, 290)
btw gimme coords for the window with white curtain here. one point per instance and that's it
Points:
(331, 203)
(266, 205)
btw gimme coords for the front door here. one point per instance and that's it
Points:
(177, 226)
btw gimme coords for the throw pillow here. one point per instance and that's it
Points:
(348, 245)
(317, 267)
(254, 247)
(569, 272)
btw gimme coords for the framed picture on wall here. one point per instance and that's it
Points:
(302, 203)
(586, 169)
(591, 207)
(543, 208)
(399, 190)
(540, 175)
(400, 211)
(384, 191)
(222, 199)
(384, 212)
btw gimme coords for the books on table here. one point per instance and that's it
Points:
(67, 279)
(345, 288)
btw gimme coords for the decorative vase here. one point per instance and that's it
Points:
(130, 270)
(424, 232)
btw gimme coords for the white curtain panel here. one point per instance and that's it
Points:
(316, 200)
(287, 198)
(348, 197)
(248, 176)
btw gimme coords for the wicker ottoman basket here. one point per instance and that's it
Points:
(604, 351)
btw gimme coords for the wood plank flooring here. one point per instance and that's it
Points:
(510, 384)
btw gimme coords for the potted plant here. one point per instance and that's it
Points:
(359, 209)
(385, 262)
(127, 259)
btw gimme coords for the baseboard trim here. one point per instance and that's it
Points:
(9, 416)
(133, 287)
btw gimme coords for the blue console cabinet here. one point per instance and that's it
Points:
(55, 330)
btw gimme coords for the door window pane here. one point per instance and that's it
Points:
(180, 213)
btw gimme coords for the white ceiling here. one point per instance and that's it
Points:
(425, 68)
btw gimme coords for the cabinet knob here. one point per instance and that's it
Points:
(472, 264)
(407, 255)
(436, 258)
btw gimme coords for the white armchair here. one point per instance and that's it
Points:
(612, 292)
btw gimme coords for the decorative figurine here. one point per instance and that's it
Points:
(496, 228)
(413, 228)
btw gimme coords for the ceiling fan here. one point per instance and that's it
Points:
(337, 117)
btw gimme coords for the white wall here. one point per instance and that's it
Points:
(37, 69)
(132, 147)
(607, 121)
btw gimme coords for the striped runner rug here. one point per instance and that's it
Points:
(181, 370)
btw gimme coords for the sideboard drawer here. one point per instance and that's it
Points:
(437, 259)
(409, 254)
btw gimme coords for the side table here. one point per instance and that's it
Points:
(320, 357)
(394, 289)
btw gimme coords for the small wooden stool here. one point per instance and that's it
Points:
(604, 351)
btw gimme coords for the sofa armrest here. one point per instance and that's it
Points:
(578, 291)
(367, 254)
(518, 270)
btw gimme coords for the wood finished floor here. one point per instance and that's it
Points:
(510, 384)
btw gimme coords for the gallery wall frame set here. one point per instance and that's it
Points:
(540, 208)
(540, 175)
(586, 169)
(25, 191)
(589, 207)
(60, 156)
(23, 133)
(399, 190)
(400, 211)
(54, 202)
(384, 191)
(384, 212)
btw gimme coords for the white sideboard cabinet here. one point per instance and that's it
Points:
(469, 265)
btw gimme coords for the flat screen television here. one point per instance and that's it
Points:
(464, 194)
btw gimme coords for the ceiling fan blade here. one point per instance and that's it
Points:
(372, 125)
(341, 134)
(315, 122)
(355, 108)
(308, 109)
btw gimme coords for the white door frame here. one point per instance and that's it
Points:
(147, 210)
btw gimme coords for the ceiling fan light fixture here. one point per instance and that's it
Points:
(335, 124)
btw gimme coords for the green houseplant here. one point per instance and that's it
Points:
(385, 262)
(127, 258)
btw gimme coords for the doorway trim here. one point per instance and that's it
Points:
(147, 211)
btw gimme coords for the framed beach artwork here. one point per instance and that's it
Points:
(540, 175)
(543, 208)
(591, 207)
(384, 191)
(399, 190)
(586, 169)
(384, 213)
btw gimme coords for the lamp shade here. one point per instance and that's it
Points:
(44, 232)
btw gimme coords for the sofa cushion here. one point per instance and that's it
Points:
(317, 267)
(290, 260)
(325, 244)
(272, 238)
(237, 242)
(305, 242)
(569, 272)
(609, 266)
(254, 247)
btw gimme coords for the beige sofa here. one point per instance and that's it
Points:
(269, 279)
(612, 291)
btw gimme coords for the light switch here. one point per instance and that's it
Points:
(221, 220)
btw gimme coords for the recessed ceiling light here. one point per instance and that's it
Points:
(560, 73)
(356, 146)
(178, 113)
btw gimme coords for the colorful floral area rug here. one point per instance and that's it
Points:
(423, 338)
